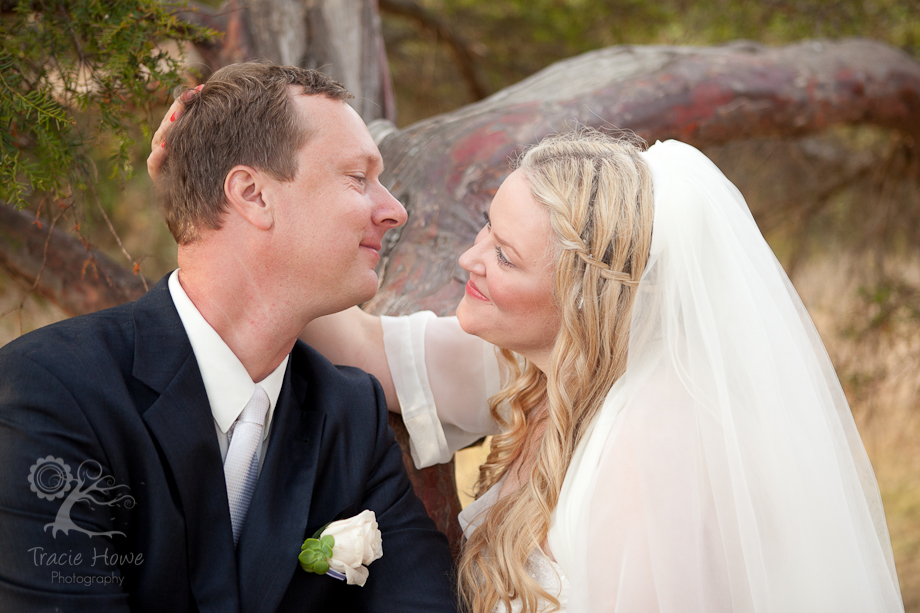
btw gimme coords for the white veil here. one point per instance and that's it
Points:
(724, 472)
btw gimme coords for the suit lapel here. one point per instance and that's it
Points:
(279, 511)
(180, 420)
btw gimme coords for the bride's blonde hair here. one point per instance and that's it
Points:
(598, 191)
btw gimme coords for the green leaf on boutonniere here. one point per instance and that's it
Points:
(315, 553)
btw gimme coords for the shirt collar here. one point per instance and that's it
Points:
(226, 380)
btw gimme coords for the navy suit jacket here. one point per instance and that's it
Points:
(115, 401)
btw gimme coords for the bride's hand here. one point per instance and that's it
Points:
(158, 144)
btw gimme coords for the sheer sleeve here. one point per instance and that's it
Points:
(444, 378)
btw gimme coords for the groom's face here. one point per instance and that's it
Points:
(330, 220)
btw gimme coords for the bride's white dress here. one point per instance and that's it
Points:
(724, 471)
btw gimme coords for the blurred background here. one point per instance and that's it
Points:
(841, 208)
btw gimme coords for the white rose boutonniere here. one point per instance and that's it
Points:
(344, 548)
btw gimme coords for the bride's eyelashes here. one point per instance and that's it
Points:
(502, 260)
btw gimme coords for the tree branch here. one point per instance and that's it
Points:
(465, 61)
(62, 279)
(445, 170)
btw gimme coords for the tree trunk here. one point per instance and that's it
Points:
(340, 37)
(346, 43)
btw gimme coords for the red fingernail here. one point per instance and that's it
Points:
(163, 144)
(199, 87)
(172, 117)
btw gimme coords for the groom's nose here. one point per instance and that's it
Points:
(388, 211)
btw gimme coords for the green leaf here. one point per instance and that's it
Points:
(312, 561)
(309, 543)
(306, 561)
(314, 554)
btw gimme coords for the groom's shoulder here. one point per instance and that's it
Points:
(102, 343)
(77, 341)
(327, 378)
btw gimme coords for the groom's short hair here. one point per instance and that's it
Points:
(244, 114)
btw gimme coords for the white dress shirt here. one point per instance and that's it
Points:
(226, 380)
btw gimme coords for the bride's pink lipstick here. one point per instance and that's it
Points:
(473, 292)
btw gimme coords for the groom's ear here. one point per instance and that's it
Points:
(244, 188)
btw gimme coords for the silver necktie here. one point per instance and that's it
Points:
(241, 468)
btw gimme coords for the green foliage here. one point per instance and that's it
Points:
(315, 554)
(73, 75)
(888, 305)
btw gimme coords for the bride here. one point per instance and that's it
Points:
(670, 434)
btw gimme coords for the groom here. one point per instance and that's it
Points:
(173, 454)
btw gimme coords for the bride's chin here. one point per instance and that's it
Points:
(469, 325)
(467, 319)
(463, 317)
